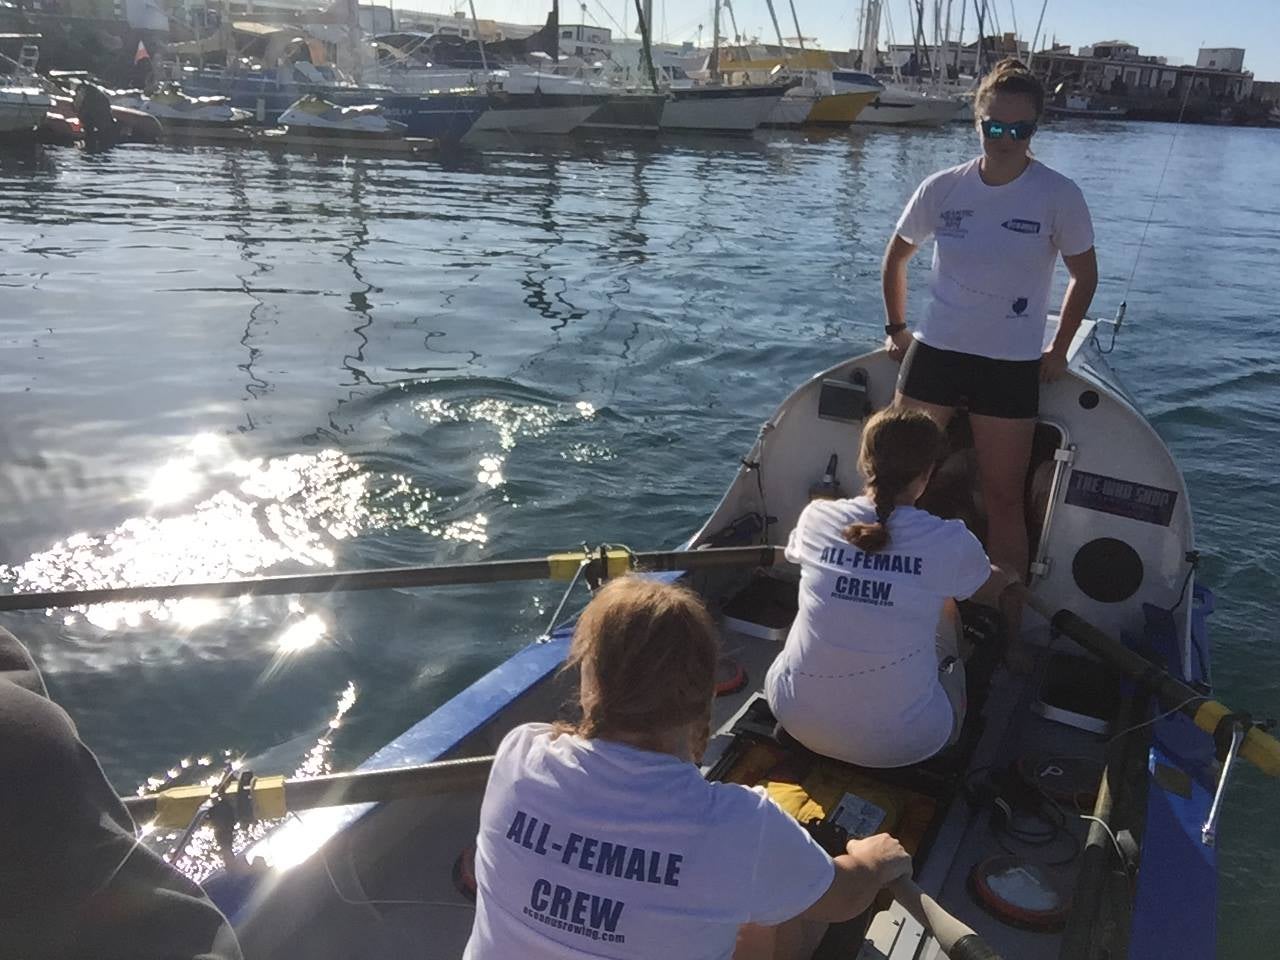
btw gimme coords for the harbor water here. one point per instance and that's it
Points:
(216, 363)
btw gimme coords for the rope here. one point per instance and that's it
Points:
(1137, 257)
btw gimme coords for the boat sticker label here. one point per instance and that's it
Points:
(859, 817)
(1123, 498)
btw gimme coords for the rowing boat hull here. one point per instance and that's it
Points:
(325, 865)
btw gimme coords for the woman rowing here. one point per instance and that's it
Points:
(603, 839)
(868, 675)
(999, 223)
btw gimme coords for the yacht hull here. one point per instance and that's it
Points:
(628, 114)
(540, 114)
(917, 111)
(729, 110)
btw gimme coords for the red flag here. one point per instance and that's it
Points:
(141, 53)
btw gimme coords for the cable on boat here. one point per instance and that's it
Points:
(1157, 718)
(1107, 827)
(1155, 198)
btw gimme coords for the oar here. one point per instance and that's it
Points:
(957, 941)
(274, 796)
(557, 566)
(1258, 746)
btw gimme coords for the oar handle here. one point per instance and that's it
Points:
(957, 940)
(1258, 747)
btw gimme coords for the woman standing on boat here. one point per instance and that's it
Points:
(871, 672)
(999, 223)
(603, 839)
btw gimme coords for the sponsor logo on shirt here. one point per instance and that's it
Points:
(1022, 226)
(1017, 308)
(951, 224)
(583, 912)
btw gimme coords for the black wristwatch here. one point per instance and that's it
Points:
(891, 328)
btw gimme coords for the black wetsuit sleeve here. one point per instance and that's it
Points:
(74, 882)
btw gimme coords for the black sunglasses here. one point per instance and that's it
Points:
(1022, 130)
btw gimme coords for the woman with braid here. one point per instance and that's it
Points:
(867, 675)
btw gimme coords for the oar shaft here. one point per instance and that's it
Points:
(1259, 747)
(378, 579)
(557, 567)
(275, 796)
(956, 939)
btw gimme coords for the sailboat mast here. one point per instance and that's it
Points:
(715, 40)
(782, 44)
(871, 37)
(353, 37)
(1035, 40)
(475, 22)
(937, 43)
(645, 9)
(946, 38)
(796, 20)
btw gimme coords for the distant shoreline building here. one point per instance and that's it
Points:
(1114, 67)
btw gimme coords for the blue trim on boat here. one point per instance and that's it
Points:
(1176, 902)
(429, 739)
(1202, 604)
(442, 730)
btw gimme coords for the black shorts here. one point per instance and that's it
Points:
(981, 385)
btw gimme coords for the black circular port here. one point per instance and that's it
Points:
(1107, 570)
(1089, 399)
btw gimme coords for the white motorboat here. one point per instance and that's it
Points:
(1112, 546)
(22, 109)
(314, 116)
(182, 113)
(737, 110)
(1083, 107)
(314, 123)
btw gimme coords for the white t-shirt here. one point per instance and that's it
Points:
(591, 848)
(994, 256)
(858, 677)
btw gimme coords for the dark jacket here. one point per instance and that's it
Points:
(74, 882)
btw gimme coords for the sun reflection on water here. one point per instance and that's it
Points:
(272, 512)
(511, 421)
(201, 858)
(302, 635)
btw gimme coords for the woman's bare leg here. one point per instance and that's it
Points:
(939, 413)
(1004, 455)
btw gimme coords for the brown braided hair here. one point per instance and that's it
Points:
(646, 653)
(1010, 75)
(899, 445)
